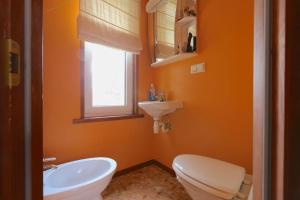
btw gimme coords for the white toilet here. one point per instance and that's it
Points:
(209, 179)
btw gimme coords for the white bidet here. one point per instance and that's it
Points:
(78, 180)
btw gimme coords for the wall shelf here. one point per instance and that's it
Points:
(175, 58)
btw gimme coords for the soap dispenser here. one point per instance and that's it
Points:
(152, 93)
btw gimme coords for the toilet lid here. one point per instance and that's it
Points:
(214, 173)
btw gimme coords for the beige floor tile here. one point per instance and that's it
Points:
(149, 183)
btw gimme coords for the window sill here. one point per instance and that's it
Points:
(106, 118)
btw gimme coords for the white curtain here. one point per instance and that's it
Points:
(114, 23)
(165, 29)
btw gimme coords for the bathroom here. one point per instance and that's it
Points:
(216, 117)
(149, 99)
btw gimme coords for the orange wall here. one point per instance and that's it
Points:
(217, 116)
(127, 141)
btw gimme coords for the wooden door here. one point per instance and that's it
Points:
(286, 100)
(292, 101)
(12, 77)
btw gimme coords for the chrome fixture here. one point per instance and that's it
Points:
(48, 166)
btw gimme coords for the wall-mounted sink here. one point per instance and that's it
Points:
(157, 109)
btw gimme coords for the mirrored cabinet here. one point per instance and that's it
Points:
(172, 30)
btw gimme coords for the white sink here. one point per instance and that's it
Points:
(157, 109)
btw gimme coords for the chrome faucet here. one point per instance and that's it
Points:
(48, 166)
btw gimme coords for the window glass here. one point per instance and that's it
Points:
(108, 81)
(108, 70)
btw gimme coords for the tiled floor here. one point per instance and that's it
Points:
(149, 183)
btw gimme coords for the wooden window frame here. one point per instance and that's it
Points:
(84, 119)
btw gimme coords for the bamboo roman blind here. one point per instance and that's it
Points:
(165, 29)
(114, 23)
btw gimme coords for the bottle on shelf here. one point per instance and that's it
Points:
(152, 93)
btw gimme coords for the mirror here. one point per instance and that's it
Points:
(172, 26)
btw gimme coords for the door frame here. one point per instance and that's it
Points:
(33, 102)
(270, 93)
(262, 100)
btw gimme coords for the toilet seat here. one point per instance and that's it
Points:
(204, 187)
(216, 177)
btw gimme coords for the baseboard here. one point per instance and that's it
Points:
(145, 164)
(164, 167)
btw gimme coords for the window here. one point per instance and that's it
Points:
(108, 81)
